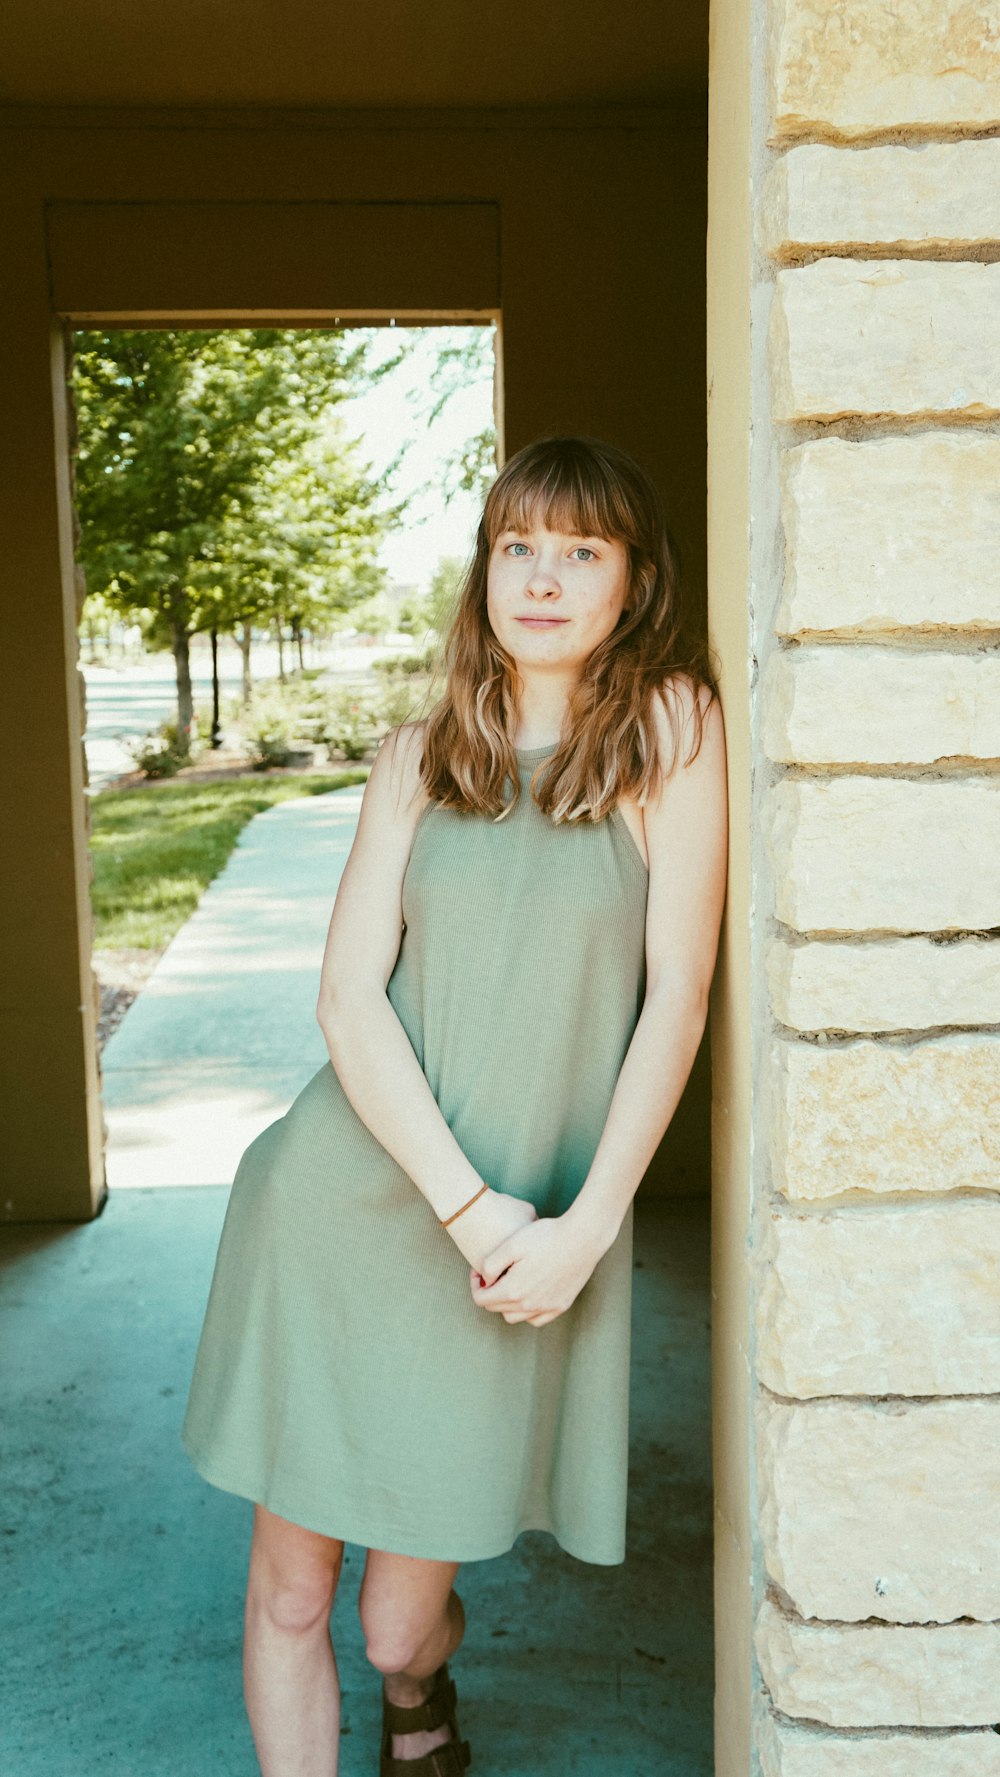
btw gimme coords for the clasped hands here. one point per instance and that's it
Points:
(535, 1271)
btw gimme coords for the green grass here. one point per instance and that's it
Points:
(156, 850)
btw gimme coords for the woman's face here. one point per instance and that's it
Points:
(551, 597)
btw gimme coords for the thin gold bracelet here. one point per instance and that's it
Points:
(464, 1207)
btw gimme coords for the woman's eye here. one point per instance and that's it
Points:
(517, 546)
(586, 551)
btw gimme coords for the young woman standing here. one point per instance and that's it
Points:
(418, 1333)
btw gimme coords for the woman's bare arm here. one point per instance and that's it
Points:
(686, 835)
(369, 1048)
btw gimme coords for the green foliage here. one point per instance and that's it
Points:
(270, 723)
(162, 751)
(442, 595)
(353, 721)
(471, 359)
(374, 616)
(201, 733)
(401, 699)
(394, 666)
(270, 745)
(349, 719)
(411, 616)
(156, 849)
(212, 480)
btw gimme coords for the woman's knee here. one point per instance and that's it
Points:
(393, 1647)
(293, 1575)
(395, 1629)
(398, 1625)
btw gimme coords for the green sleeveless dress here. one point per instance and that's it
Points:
(345, 1378)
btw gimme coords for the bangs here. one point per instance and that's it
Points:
(567, 493)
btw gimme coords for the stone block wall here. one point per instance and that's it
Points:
(876, 1250)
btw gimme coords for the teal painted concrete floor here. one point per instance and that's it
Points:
(121, 1590)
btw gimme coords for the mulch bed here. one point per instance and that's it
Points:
(218, 767)
(121, 976)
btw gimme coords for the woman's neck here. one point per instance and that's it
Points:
(541, 713)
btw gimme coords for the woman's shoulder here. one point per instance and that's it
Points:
(680, 706)
(397, 766)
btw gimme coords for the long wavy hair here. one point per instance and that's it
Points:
(608, 748)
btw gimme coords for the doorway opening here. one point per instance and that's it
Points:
(250, 633)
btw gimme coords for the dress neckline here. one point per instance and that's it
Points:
(536, 752)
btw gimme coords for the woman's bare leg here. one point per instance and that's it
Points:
(290, 1674)
(413, 1621)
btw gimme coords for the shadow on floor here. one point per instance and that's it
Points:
(122, 1586)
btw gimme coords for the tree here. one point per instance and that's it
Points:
(472, 467)
(443, 591)
(299, 547)
(191, 440)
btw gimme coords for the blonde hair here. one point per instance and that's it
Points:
(580, 486)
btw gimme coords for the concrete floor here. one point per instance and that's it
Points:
(123, 1572)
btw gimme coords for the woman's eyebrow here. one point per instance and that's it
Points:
(526, 530)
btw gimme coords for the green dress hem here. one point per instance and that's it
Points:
(352, 1530)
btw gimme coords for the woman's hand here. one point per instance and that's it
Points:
(539, 1270)
(488, 1222)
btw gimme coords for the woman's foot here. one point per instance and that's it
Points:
(410, 1693)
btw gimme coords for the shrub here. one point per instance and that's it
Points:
(394, 665)
(162, 751)
(352, 722)
(312, 712)
(397, 704)
(269, 741)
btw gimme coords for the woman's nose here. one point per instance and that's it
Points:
(543, 582)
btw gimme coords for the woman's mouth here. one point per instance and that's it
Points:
(542, 622)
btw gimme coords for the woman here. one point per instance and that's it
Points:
(418, 1333)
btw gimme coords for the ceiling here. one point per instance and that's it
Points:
(378, 53)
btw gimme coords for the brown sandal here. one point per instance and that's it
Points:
(437, 1708)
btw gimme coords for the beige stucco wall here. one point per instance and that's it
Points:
(875, 539)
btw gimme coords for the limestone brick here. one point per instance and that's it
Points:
(789, 1750)
(882, 1509)
(856, 66)
(903, 1299)
(885, 336)
(885, 984)
(879, 1118)
(934, 194)
(905, 708)
(891, 534)
(854, 854)
(872, 1675)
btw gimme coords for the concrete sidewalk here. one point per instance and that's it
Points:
(224, 1033)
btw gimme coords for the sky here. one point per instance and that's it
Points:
(393, 411)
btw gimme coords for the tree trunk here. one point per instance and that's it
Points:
(281, 651)
(216, 737)
(297, 633)
(246, 636)
(182, 663)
